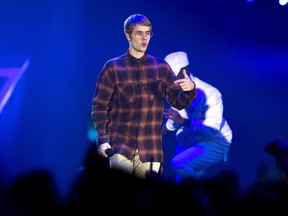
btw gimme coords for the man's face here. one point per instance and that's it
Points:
(180, 75)
(139, 38)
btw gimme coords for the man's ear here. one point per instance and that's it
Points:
(127, 36)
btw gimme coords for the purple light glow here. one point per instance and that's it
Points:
(10, 76)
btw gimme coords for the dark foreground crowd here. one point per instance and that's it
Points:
(99, 190)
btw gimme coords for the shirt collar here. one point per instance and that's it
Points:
(133, 59)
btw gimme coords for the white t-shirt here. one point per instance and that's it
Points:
(206, 117)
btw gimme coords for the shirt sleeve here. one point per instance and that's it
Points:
(101, 103)
(178, 98)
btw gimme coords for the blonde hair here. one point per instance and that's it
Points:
(136, 19)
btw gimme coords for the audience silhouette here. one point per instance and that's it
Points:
(35, 193)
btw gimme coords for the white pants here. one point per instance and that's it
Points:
(135, 166)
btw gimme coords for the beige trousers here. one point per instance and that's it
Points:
(135, 166)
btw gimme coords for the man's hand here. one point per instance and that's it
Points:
(186, 83)
(164, 129)
(101, 149)
(174, 115)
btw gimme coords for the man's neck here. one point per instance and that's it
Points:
(136, 54)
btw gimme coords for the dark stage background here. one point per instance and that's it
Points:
(239, 47)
